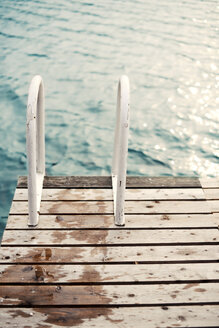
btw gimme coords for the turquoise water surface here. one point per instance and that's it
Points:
(167, 48)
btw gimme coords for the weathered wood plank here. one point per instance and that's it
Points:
(43, 264)
(211, 193)
(108, 237)
(105, 182)
(209, 182)
(131, 317)
(109, 294)
(107, 194)
(214, 205)
(105, 254)
(216, 216)
(14, 273)
(106, 207)
(107, 221)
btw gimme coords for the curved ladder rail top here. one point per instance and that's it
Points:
(35, 147)
(120, 150)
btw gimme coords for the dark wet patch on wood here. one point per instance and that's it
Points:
(190, 286)
(41, 274)
(65, 317)
(94, 237)
(43, 254)
(59, 218)
(19, 313)
(84, 221)
(79, 207)
(9, 240)
(165, 217)
(181, 318)
(75, 316)
(184, 251)
(47, 295)
(200, 290)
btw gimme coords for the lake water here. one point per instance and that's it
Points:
(167, 48)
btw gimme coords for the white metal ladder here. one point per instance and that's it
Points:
(36, 149)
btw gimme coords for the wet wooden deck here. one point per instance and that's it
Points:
(76, 269)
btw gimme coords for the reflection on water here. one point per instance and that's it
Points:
(167, 48)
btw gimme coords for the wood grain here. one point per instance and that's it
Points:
(110, 237)
(134, 254)
(209, 182)
(112, 294)
(107, 221)
(212, 194)
(104, 274)
(106, 207)
(132, 276)
(105, 182)
(145, 317)
(107, 194)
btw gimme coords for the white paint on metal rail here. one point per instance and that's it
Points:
(120, 150)
(35, 147)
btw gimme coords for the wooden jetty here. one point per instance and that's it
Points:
(77, 269)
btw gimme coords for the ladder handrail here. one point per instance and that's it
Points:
(120, 150)
(35, 147)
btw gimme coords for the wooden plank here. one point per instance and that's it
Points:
(131, 317)
(214, 205)
(106, 207)
(134, 254)
(209, 182)
(109, 294)
(107, 221)
(105, 182)
(107, 194)
(14, 273)
(211, 193)
(108, 237)
(216, 216)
